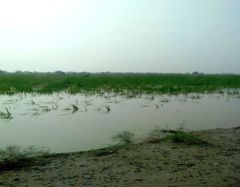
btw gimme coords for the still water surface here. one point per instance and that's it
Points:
(51, 121)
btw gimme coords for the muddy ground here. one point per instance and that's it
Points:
(142, 164)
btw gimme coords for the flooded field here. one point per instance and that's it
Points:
(65, 123)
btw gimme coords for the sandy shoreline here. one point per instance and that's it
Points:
(143, 164)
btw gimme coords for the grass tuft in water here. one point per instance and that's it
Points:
(108, 108)
(6, 115)
(124, 137)
(75, 108)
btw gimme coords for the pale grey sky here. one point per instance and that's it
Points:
(120, 35)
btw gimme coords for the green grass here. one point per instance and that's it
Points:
(14, 156)
(185, 137)
(11, 83)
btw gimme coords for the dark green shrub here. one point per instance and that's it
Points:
(14, 156)
(185, 137)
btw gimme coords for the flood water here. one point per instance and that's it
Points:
(52, 121)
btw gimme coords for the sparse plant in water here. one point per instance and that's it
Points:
(108, 108)
(41, 109)
(165, 100)
(6, 115)
(156, 106)
(124, 137)
(75, 108)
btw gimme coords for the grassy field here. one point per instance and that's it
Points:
(11, 83)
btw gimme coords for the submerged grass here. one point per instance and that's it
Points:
(130, 84)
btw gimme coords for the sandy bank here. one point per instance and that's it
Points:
(145, 164)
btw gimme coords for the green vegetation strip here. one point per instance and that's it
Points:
(11, 83)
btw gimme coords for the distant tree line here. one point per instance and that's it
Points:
(86, 74)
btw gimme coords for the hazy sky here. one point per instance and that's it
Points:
(120, 35)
